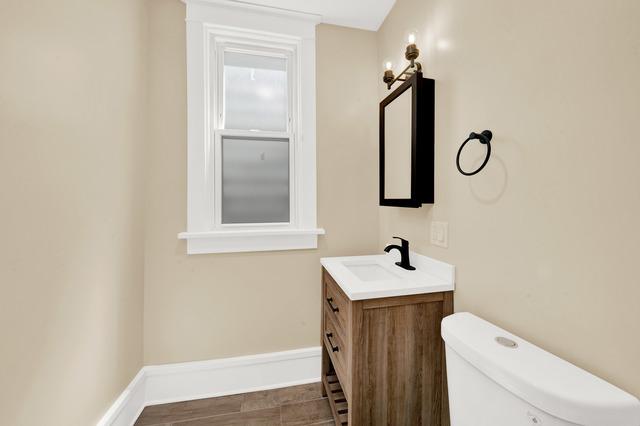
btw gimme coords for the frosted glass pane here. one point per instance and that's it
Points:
(255, 92)
(255, 180)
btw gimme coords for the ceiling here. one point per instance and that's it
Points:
(363, 14)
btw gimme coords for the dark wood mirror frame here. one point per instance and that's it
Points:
(422, 142)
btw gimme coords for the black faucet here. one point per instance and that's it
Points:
(404, 254)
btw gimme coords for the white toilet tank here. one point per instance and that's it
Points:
(498, 379)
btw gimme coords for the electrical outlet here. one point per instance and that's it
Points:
(440, 234)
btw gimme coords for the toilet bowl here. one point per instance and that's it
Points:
(498, 379)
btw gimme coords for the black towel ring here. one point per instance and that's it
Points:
(484, 138)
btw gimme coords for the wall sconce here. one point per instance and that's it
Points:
(411, 54)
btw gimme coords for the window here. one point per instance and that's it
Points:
(251, 139)
(254, 135)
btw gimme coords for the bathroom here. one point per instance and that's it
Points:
(117, 296)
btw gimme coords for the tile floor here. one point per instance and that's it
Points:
(296, 405)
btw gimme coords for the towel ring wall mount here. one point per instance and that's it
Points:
(485, 139)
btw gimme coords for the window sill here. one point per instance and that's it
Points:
(250, 240)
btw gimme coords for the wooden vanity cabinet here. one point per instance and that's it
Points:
(383, 359)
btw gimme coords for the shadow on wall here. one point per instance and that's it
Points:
(489, 185)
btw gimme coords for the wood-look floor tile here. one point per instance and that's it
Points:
(267, 417)
(306, 413)
(276, 397)
(160, 414)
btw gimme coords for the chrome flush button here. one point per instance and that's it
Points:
(506, 342)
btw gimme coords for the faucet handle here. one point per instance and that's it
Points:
(403, 240)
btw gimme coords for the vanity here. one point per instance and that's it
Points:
(382, 353)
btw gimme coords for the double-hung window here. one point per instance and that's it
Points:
(251, 136)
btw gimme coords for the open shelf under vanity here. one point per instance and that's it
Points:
(337, 398)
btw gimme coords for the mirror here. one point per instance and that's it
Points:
(406, 144)
(397, 136)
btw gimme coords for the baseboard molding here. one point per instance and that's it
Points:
(160, 384)
(128, 406)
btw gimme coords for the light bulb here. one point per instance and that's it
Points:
(388, 65)
(411, 38)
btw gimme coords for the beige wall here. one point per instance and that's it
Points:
(71, 132)
(213, 306)
(546, 238)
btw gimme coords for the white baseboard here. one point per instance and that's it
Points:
(160, 384)
(128, 406)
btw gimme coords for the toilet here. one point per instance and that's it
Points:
(498, 379)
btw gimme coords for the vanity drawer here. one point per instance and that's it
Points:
(337, 304)
(335, 344)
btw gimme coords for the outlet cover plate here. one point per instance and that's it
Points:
(440, 234)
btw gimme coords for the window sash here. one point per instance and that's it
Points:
(259, 49)
(222, 90)
(217, 179)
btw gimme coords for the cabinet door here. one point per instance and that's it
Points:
(399, 365)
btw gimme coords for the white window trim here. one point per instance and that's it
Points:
(210, 22)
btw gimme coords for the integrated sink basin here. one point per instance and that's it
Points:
(370, 271)
(370, 277)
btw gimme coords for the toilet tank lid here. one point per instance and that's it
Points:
(542, 379)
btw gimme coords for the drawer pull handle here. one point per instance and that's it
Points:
(330, 302)
(333, 348)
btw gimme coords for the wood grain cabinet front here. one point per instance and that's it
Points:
(337, 303)
(383, 359)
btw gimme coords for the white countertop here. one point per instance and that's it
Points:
(370, 277)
